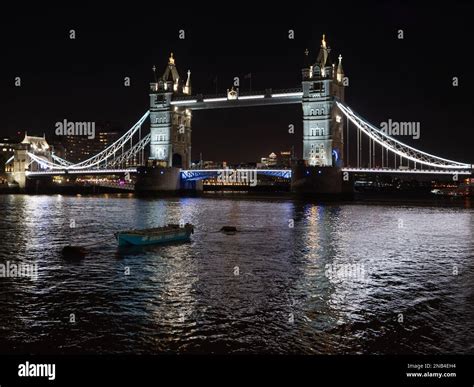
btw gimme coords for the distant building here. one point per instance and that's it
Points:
(7, 149)
(105, 138)
(207, 164)
(270, 161)
(80, 148)
(7, 146)
(59, 149)
(77, 148)
(282, 160)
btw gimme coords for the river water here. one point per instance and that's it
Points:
(298, 277)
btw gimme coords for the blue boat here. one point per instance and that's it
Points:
(153, 236)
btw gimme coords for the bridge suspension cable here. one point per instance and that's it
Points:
(132, 153)
(106, 157)
(112, 149)
(396, 147)
(60, 161)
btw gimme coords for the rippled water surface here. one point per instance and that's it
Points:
(298, 278)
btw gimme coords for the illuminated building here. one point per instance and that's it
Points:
(170, 128)
(7, 148)
(80, 148)
(270, 161)
(322, 124)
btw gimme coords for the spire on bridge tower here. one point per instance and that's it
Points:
(340, 71)
(306, 61)
(323, 60)
(187, 87)
(171, 76)
(307, 68)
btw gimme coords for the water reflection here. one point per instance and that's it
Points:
(298, 277)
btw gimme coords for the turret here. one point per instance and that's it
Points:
(187, 87)
(340, 71)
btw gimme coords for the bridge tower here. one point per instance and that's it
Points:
(170, 144)
(322, 82)
(323, 142)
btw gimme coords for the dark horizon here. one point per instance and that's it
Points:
(406, 79)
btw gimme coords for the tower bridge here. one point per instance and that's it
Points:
(327, 126)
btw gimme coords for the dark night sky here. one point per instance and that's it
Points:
(82, 79)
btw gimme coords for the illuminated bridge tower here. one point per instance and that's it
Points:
(170, 131)
(322, 123)
(170, 144)
(323, 82)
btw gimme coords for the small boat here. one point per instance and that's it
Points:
(152, 236)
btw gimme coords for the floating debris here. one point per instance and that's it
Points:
(73, 252)
(229, 229)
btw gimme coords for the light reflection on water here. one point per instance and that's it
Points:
(404, 298)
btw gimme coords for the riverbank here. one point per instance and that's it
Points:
(425, 200)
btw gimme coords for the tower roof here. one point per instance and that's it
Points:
(171, 73)
(323, 59)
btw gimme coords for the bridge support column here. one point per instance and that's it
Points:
(19, 178)
(320, 181)
(157, 179)
(163, 180)
(20, 165)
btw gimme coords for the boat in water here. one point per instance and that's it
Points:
(153, 236)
